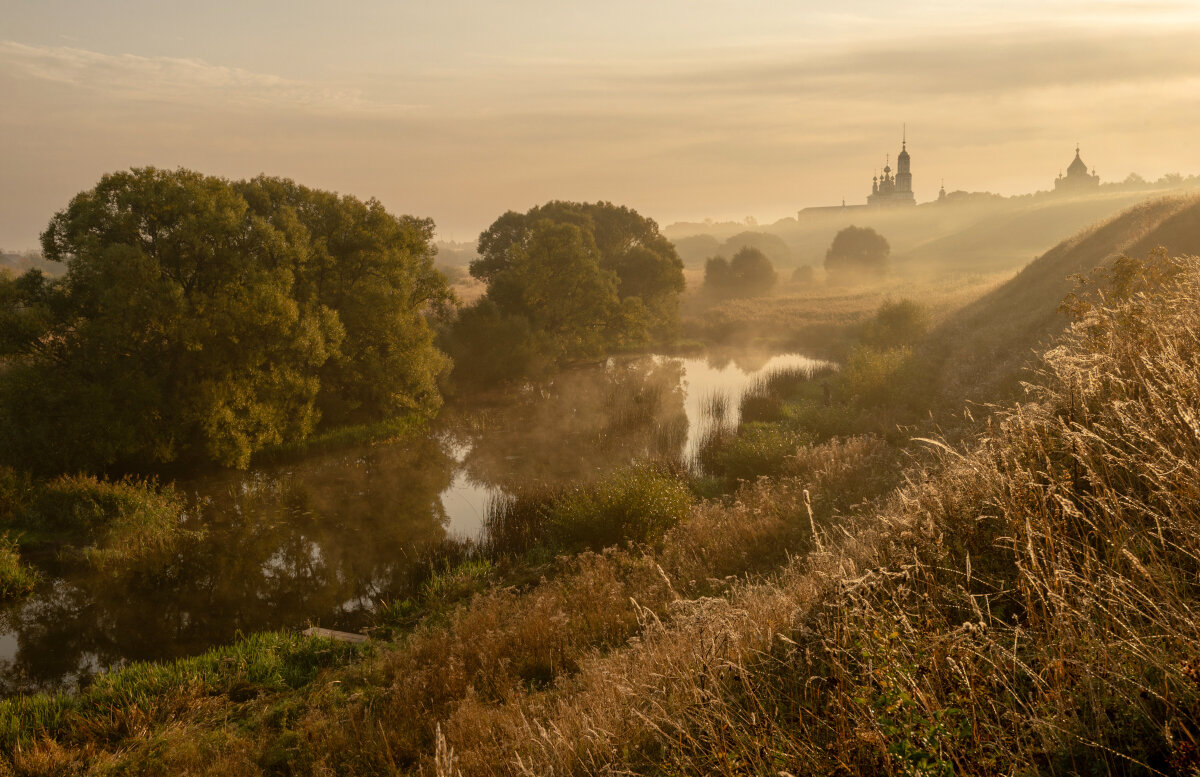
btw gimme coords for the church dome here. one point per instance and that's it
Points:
(1077, 167)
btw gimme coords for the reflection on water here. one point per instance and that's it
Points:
(324, 540)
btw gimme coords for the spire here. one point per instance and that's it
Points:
(903, 136)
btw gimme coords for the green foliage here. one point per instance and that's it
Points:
(635, 504)
(16, 579)
(896, 324)
(200, 319)
(856, 252)
(376, 272)
(108, 523)
(758, 449)
(590, 277)
(458, 581)
(870, 375)
(748, 274)
(268, 661)
(489, 346)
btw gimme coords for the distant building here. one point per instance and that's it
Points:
(887, 190)
(1077, 178)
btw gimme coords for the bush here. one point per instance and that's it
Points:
(757, 450)
(636, 504)
(896, 324)
(16, 579)
(872, 375)
(108, 522)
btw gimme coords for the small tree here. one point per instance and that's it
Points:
(856, 252)
(748, 274)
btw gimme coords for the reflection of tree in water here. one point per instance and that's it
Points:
(745, 360)
(318, 540)
(582, 424)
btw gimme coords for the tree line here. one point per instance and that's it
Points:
(202, 320)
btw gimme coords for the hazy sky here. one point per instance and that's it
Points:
(681, 109)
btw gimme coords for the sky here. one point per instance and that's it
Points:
(681, 109)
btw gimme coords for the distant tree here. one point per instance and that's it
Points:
(718, 279)
(193, 324)
(626, 243)
(856, 252)
(772, 246)
(695, 249)
(752, 271)
(804, 275)
(749, 273)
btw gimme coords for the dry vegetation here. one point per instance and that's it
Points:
(1020, 602)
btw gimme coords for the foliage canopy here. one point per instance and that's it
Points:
(857, 251)
(748, 274)
(203, 319)
(586, 277)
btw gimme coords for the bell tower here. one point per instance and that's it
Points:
(903, 174)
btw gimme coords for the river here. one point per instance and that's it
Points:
(324, 540)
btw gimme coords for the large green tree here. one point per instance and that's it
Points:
(648, 273)
(376, 272)
(191, 324)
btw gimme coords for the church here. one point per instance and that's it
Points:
(1077, 178)
(888, 190)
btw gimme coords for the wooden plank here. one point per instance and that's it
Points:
(340, 636)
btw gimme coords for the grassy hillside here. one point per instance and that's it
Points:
(946, 238)
(976, 353)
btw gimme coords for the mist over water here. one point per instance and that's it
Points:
(326, 539)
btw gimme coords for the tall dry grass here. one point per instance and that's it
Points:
(1027, 605)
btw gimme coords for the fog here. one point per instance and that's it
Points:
(680, 111)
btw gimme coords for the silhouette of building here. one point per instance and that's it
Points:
(887, 190)
(1077, 178)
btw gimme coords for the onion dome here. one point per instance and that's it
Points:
(1077, 167)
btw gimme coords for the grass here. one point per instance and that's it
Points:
(16, 578)
(109, 524)
(1026, 604)
(635, 504)
(1021, 600)
(143, 694)
(385, 430)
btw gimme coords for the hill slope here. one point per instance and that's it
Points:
(976, 354)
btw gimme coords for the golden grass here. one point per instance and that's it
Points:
(1027, 605)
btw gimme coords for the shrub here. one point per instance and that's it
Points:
(636, 504)
(16, 579)
(896, 324)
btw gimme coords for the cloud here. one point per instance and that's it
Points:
(994, 63)
(177, 80)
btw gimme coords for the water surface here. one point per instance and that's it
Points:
(323, 541)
